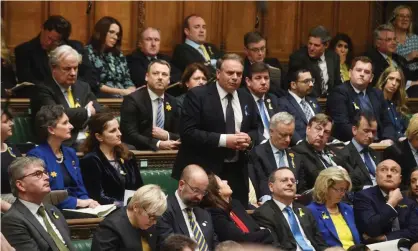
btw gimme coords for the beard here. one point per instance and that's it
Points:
(191, 203)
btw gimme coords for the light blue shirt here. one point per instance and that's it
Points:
(197, 47)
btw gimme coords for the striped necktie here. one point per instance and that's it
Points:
(160, 118)
(198, 235)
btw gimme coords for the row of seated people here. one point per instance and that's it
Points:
(203, 209)
(110, 74)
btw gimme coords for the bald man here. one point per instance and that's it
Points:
(183, 214)
(381, 212)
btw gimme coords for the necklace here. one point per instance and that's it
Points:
(59, 160)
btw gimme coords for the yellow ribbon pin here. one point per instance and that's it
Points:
(53, 174)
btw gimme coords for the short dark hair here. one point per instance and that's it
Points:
(59, 24)
(192, 68)
(369, 117)
(252, 37)
(47, 116)
(186, 23)
(363, 59)
(272, 176)
(101, 29)
(258, 67)
(177, 242)
(320, 118)
(229, 56)
(320, 32)
(294, 75)
(345, 38)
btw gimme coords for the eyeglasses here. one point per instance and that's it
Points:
(256, 50)
(286, 180)
(151, 217)
(197, 190)
(38, 174)
(341, 190)
(404, 16)
(307, 81)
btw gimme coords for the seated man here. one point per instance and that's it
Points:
(316, 155)
(274, 154)
(255, 51)
(258, 83)
(63, 88)
(292, 225)
(195, 48)
(29, 224)
(149, 116)
(298, 103)
(323, 64)
(349, 98)
(184, 216)
(32, 64)
(178, 242)
(381, 213)
(148, 50)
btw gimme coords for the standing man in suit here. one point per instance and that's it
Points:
(323, 64)
(383, 55)
(255, 52)
(29, 224)
(32, 56)
(149, 116)
(148, 51)
(218, 125)
(195, 48)
(275, 153)
(184, 216)
(63, 88)
(356, 96)
(292, 225)
(381, 212)
(315, 154)
(298, 103)
(258, 83)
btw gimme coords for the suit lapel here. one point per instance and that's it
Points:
(281, 220)
(313, 104)
(197, 52)
(407, 149)
(179, 215)
(330, 71)
(373, 100)
(201, 220)
(77, 94)
(244, 109)
(328, 221)
(70, 165)
(359, 160)
(290, 159)
(144, 95)
(270, 156)
(269, 105)
(218, 112)
(168, 111)
(58, 93)
(109, 168)
(292, 100)
(58, 224)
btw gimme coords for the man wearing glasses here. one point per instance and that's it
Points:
(292, 225)
(29, 224)
(184, 216)
(298, 103)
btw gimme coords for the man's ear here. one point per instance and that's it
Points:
(292, 85)
(354, 130)
(271, 187)
(246, 51)
(326, 45)
(248, 81)
(186, 31)
(146, 77)
(371, 78)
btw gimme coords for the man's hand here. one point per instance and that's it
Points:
(91, 108)
(87, 203)
(386, 142)
(238, 141)
(159, 133)
(125, 92)
(169, 145)
(394, 197)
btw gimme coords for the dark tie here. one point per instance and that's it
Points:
(263, 114)
(368, 161)
(365, 102)
(324, 160)
(198, 235)
(60, 245)
(395, 221)
(297, 234)
(230, 123)
(151, 59)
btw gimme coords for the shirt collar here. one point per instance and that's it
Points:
(153, 96)
(256, 98)
(180, 201)
(383, 193)
(223, 93)
(298, 99)
(149, 57)
(357, 145)
(322, 57)
(63, 90)
(33, 208)
(192, 43)
(281, 205)
(357, 90)
(414, 151)
(273, 148)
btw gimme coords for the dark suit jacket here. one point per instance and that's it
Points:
(326, 225)
(264, 163)
(32, 62)
(288, 104)
(311, 164)
(24, 232)
(103, 182)
(172, 222)
(380, 64)
(49, 93)
(136, 119)
(116, 232)
(301, 60)
(343, 104)
(374, 217)
(401, 153)
(138, 65)
(202, 123)
(226, 229)
(270, 216)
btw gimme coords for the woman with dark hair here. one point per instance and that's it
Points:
(195, 74)
(61, 162)
(392, 83)
(231, 221)
(108, 167)
(107, 59)
(413, 186)
(343, 46)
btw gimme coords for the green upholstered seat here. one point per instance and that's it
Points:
(161, 177)
(82, 245)
(22, 130)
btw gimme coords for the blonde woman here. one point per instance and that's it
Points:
(335, 219)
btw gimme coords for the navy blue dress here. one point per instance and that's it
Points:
(399, 122)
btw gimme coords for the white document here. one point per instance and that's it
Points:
(128, 194)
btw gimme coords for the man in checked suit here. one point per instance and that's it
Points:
(29, 224)
(149, 117)
(292, 225)
(183, 214)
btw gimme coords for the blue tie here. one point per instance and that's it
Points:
(281, 160)
(368, 161)
(297, 234)
(263, 113)
(365, 102)
(160, 119)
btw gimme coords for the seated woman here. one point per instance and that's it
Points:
(108, 168)
(108, 61)
(343, 46)
(231, 221)
(61, 162)
(335, 219)
(413, 187)
(121, 230)
(195, 74)
(392, 84)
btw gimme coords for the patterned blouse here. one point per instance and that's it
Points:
(112, 70)
(411, 44)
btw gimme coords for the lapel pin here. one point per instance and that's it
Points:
(204, 223)
(53, 174)
(73, 163)
(325, 216)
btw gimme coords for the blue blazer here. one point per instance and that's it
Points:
(56, 180)
(326, 226)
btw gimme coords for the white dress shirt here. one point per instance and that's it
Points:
(322, 63)
(266, 133)
(299, 99)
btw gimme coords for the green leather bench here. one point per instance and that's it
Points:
(161, 177)
(22, 130)
(82, 245)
